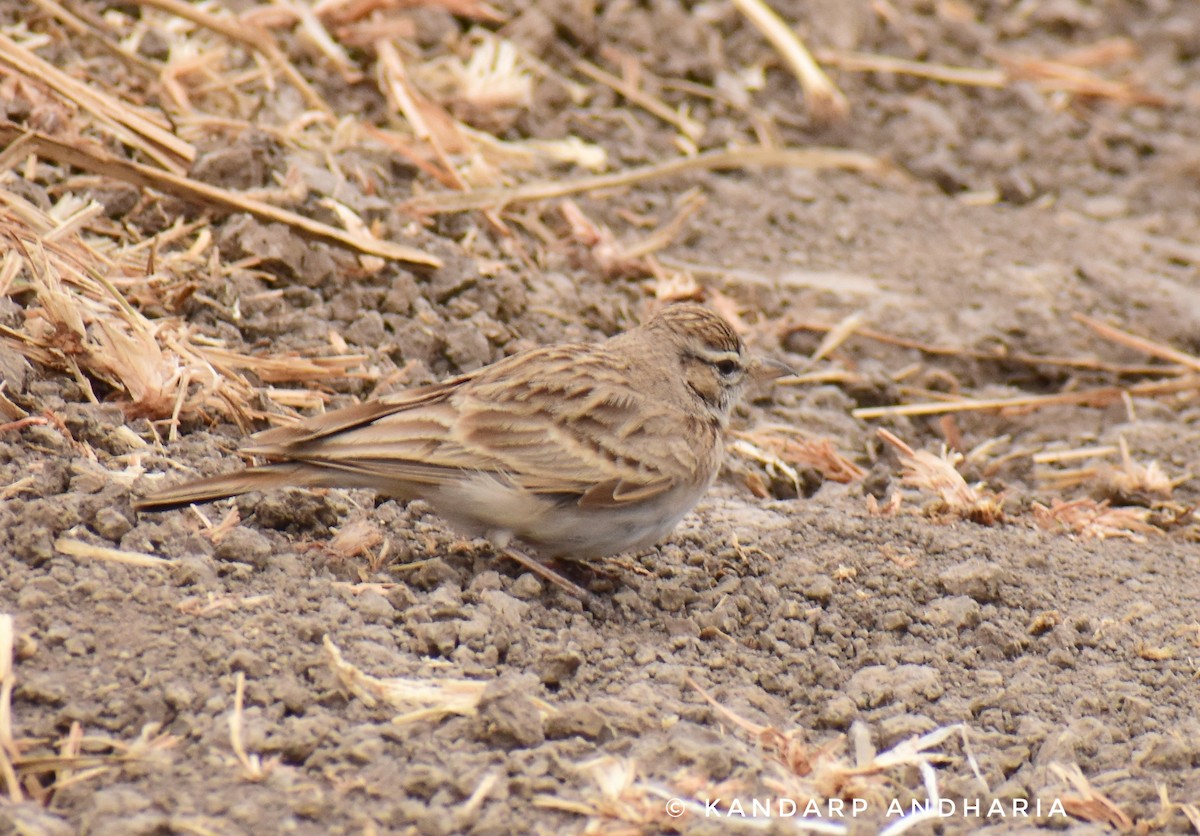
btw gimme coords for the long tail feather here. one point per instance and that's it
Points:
(212, 488)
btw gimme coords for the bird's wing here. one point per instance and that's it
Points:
(554, 421)
(576, 427)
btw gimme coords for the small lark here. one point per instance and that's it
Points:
(576, 451)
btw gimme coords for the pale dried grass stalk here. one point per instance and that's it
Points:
(837, 335)
(938, 474)
(1092, 520)
(1056, 456)
(510, 156)
(994, 356)
(624, 804)
(690, 128)
(474, 802)
(93, 159)
(9, 753)
(1068, 74)
(79, 320)
(771, 461)
(131, 125)
(247, 34)
(1192, 813)
(495, 76)
(691, 204)
(254, 769)
(1093, 397)
(783, 449)
(213, 604)
(825, 101)
(1134, 478)
(73, 547)
(429, 122)
(1146, 346)
(77, 760)
(600, 244)
(1090, 804)
(859, 62)
(426, 699)
(806, 158)
(1061, 77)
(84, 29)
(804, 774)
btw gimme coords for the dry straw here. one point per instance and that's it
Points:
(28, 769)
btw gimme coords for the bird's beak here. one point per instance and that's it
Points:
(765, 369)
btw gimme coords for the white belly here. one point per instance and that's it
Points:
(488, 507)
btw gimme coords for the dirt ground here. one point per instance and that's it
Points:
(1068, 661)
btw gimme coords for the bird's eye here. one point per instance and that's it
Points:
(728, 368)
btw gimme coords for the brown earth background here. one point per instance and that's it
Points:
(835, 621)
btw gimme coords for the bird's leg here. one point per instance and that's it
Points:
(538, 568)
(501, 540)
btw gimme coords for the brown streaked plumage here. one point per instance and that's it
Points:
(575, 450)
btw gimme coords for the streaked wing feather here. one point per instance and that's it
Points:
(572, 429)
(381, 473)
(617, 493)
(280, 441)
(575, 431)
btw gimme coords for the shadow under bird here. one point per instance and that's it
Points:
(575, 451)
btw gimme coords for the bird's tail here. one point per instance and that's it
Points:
(262, 478)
